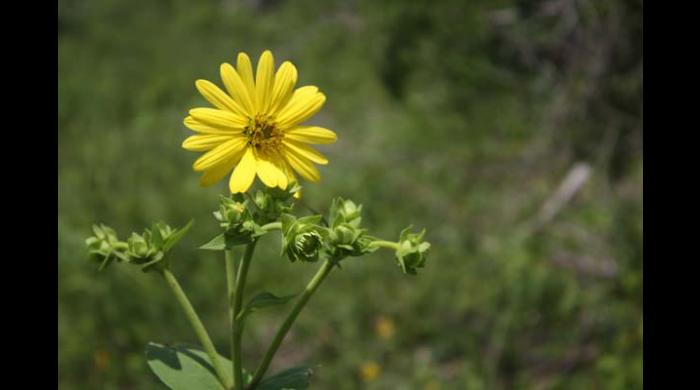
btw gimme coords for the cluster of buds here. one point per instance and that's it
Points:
(237, 220)
(346, 237)
(147, 250)
(273, 202)
(242, 216)
(305, 239)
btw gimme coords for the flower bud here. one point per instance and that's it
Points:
(138, 246)
(231, 212)
(303, 238)
(273, 202)
(306, 246)
(262, 200)
(344, 236)
(345, 211)
(412, 251)
(104, 247)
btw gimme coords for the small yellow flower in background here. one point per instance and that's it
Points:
(369, 371)
(256, 128)
(101, 360)
(384, 327)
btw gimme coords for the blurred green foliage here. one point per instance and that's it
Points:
(461, 117)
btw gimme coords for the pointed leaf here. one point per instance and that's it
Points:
(296, 378)
(263, 300)
(177, 236)
(217, 243)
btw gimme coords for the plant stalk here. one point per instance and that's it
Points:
(231, 285)
(237, 324)
(198, 328)
(284, 328)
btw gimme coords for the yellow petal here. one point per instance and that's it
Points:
(282, 180)
(311, 135)
(281, 168)
(282, 174)
(304, 167)
(236, 88)
(300, 95)
(245, 70)
(285, 79)
(286, 169)
(244, 174)
(215, 174)
(218, 98)
(203, 143)
(289, 173)
(264, 81)
(200, 127)
(267, 172)
(302, 106)
(219, 118)
(307, 152)
(220, 154)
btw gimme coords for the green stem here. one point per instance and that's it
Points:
(230, 283)
(385, 244)
(271, 226)
(282, 331)
(198, 328)
(237, 324)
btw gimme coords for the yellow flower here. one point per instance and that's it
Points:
(384, 327)
(369, 371)
(101, 360)
(256, 128)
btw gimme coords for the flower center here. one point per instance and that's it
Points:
(263, 135)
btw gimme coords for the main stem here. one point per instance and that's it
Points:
(231, 284)
(282, 331)
(198, 328)
(237, 324)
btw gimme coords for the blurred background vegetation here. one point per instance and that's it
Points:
(464, 117)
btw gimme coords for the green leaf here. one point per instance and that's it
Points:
(263, 300)
(183, 367)
(186, 367)
(296, 378)
(176, 236)
(217, 243)
(227, 241)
